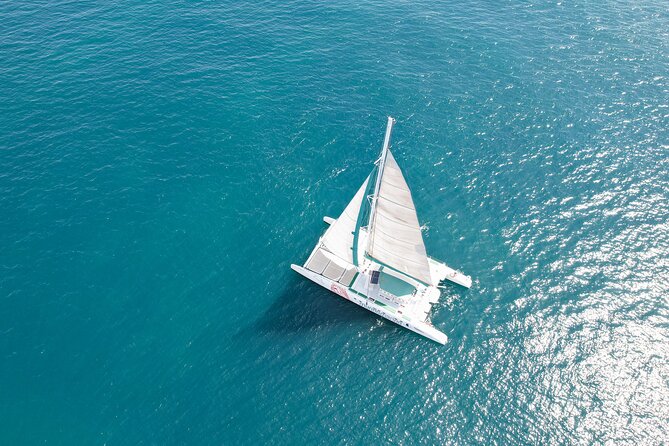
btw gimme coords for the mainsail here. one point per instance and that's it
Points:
(395, 236)
(339, 237)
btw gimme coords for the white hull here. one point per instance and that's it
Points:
(374, 306)
(445, 272)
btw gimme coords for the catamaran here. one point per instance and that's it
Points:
(374, 254)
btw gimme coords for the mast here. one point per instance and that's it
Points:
(382, 162)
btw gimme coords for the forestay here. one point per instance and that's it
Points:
(339, 237)
(396, 238)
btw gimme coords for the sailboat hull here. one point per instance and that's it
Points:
(373, 305)
(374, 255)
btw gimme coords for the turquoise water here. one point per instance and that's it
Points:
(163, 163)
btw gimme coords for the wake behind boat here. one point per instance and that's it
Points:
(374, 255)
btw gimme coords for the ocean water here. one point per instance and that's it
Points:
(162, 163)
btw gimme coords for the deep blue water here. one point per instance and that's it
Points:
(163, 162)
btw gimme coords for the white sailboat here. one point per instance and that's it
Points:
(374, 255)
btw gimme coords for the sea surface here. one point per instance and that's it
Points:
(162, 163)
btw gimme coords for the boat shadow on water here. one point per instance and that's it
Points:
(303, 306)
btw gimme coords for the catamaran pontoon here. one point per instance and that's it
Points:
(374, 255)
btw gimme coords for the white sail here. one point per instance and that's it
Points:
(339, 237)
(396, 239)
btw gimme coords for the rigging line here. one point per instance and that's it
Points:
(397, 239)
(398, 204)
(399, 222)
(403, 258)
